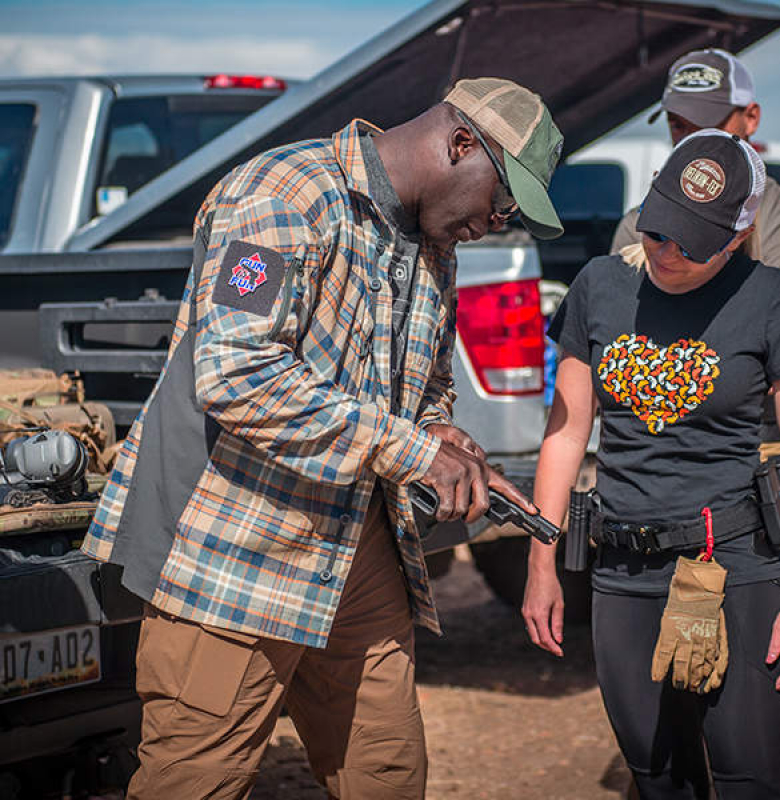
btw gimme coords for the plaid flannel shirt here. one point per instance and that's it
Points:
(296, 403)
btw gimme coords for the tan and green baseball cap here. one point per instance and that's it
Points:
(520, 122)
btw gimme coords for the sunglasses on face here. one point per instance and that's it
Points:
(661, 239)
(504, 206)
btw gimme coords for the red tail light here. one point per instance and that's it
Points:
(502, 329)
(245, 82)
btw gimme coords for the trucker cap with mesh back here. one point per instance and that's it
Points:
(518, 120)
(708, 190)
(705, 86)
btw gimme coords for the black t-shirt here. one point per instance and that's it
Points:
(681, 380)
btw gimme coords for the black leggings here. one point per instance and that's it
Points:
(660, 729)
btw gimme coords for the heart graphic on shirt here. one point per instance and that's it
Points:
(660, 385)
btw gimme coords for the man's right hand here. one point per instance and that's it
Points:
(461, 479)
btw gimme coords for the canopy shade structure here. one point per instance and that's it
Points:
(596, 63)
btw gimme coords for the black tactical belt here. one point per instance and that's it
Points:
(656, 537)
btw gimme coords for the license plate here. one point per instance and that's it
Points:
(45, 662)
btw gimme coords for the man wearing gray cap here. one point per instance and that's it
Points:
(713, 89)
(260, 504)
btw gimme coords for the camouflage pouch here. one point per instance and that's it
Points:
(23, 388)
(32, 399)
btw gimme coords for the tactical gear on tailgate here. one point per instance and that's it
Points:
(37, 398)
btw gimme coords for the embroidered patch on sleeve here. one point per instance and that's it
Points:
(249, 278)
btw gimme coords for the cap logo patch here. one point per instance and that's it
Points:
(248, 274)
(703, 180)
(696, 78)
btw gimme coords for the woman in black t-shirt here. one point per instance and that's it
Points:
(677, 354)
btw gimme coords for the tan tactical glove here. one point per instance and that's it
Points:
(693, 630)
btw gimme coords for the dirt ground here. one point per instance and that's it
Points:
(503, 720)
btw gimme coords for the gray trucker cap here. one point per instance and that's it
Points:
(705, 86)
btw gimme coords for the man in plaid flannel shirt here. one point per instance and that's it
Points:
(259, 504)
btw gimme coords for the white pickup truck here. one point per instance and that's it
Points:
(101, 181)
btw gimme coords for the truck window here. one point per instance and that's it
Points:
(148, 135)
(589, 198)
(17, 123)
(588, 191)
(773, 170)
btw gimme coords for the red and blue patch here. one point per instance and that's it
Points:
(248, 274)
(245, 268)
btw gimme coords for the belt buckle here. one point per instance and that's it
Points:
(644, 539)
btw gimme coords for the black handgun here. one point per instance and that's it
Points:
(501, 511)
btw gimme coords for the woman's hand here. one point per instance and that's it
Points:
(565, 440)
(773, 653)
(543, 605)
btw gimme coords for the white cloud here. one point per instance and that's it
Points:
(91, 54)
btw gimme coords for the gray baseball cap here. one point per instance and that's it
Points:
(705, 86)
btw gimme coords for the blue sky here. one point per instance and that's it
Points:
(297, 39)
(293, 39)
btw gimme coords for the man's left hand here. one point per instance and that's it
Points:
(457, 437)
(773, 653)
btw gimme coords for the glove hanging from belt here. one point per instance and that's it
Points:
(693, 639)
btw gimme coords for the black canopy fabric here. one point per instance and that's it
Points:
(596, 63)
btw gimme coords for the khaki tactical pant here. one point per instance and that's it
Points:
(211, 697)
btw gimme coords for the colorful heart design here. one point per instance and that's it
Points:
(659, 384)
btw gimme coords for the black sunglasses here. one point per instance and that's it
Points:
(661, 239)
(504, 206)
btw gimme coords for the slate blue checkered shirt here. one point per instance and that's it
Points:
(295, 403)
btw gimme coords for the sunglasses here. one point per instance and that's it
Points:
(660, 238)
(504, 205)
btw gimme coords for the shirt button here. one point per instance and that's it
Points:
(365, 348)
(345, 519)
(326, 575)
(380, 247)
(375, 284)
